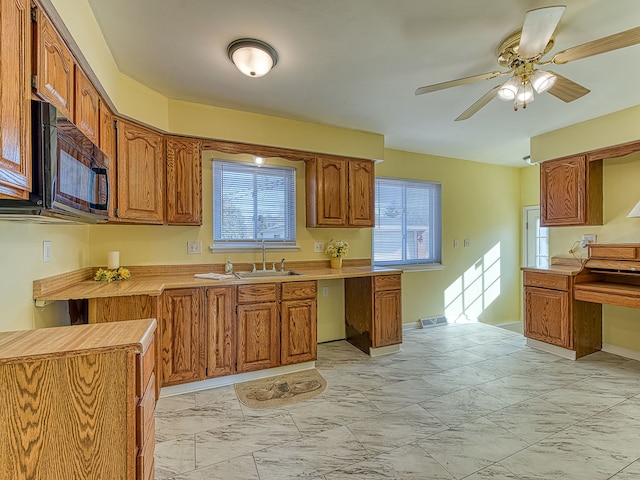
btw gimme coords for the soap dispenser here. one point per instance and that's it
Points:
(228, 268)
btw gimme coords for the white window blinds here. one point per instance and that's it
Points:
(252, 204)
(408, 222)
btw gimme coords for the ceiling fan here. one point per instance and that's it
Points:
(522, 51)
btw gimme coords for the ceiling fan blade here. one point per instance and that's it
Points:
(473, 109)
(537, 30)
(567, 90)
(459, 81)
(596, 47)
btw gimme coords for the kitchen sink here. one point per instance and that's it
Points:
(266, 273)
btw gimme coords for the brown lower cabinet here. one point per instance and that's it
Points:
(78, 402)
(216, 331)
(373, 311)
(553, 316)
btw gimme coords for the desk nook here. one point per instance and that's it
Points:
(563, 303)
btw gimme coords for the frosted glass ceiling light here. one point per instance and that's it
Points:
(542, 81)
(252, 57)
(524, 95)
(509, 89)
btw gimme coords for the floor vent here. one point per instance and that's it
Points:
(432, 321)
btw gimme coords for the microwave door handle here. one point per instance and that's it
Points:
(105, 205)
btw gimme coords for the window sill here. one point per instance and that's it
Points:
(415, 267)
(251, 248)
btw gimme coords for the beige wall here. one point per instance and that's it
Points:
(480, 202)
(21, 261)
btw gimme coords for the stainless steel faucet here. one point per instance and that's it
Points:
(264, 258)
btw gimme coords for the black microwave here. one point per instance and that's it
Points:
(70, 174)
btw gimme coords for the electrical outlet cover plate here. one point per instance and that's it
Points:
(194, 248)
(318, 247)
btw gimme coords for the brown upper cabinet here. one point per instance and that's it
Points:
(53, 66)
(15, 92)
(340, 192)
(140, 174)
(107, 141)
(87, 106)
(571, 191)
(184, 181)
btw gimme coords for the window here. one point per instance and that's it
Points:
(252, 204)
(408, 222)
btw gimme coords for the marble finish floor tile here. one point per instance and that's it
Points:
(394, 429)
(462, 406)
(466, 449)
(466, 400)
(563, 457)
(311, 456)
(406, 463)
(246, 437)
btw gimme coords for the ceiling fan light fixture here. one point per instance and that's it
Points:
(524, 95)
(509, 89)
(542, 81)
(252, 57)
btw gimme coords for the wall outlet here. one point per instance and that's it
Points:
(325, 291)
(47, 251)
(318, 247)
(194, 248)
(467, 242)
(587, 238)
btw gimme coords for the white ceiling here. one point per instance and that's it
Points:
(357, 63)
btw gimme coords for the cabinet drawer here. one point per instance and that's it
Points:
(618, 252)
(146, 365)
(387, 282)
(298, 290)
(257, 293)
(145, 425)
(145, 459)
(546, 280)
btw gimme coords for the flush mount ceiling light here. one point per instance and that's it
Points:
(252, 57)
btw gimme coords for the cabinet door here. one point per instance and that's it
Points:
(184, 182)
(547, 316)
(15, 99)
(387, 323)
(140, 174)
(107, 143)
(87, 106)
(258, 337)
(54, 67)
(331, 196)
(180, 333)
(299, 331)
(563, 192)
(361, 188)
(220, 320)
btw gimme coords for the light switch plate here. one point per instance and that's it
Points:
(47, 251)
(318, 247)
(467, 242)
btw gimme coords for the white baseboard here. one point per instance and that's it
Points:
(231, 379)
(546, 347)
(623, 352)
(388, 350)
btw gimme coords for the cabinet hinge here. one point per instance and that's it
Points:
(206, 372)
(34, 81)
(115, 212)
(34, 14)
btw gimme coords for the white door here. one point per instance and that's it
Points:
(536, 239)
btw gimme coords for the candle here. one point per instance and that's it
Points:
(113, 260)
